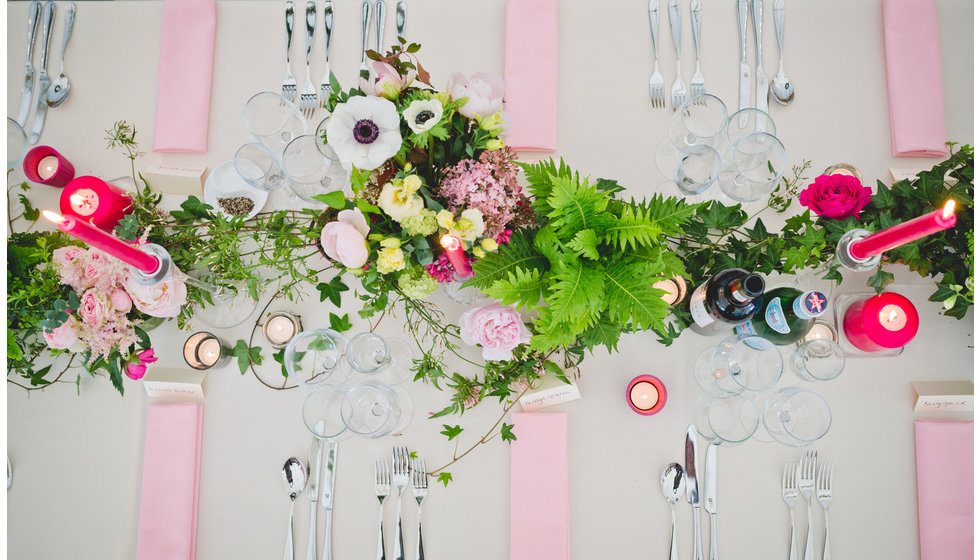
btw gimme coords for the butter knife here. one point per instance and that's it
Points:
(691, 478)
(761, 81)
(744, 72)
(365, 27)
(400, 9)
(326, 496)
(711, 495)
(43, 80)
(311, 488)
(27, 93)
(379, 19)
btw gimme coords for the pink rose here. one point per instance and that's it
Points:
(93, 308)
(161, 300)
(836, 196)
(498, 328)
(64, 256)
(64, 336)
(345, 239)
(484, 93)
(121, 301)
(388, 83)
(138, 370)
(97, 261)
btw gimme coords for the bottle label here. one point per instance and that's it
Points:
(699, 311)
(746, 328)
(810, 304)
(775, 317)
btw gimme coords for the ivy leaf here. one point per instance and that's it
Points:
(445, 478)
(333, 199)
(884, 197)
(280, 358)
(340, 324)
(246, 355)
(758, 232)
(718, 216)
(796, 223)
(880, 280)
(506, 432)
(796, 258)
(332, 290)
(609, 186)
(451, 431)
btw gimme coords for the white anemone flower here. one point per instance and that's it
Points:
(365, 131)
(422, 115)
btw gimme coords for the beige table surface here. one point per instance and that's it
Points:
(77, 459)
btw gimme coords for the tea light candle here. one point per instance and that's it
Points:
(675, 287)
(888, 320)
(93, 200)
(646, 395)
(280, 327)
(45, 165)
(820, 330)
(203, 350)
(843, 169)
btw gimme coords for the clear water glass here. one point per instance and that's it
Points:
(702, 120)
(315, 360)
(818, 360)
(388, 361)
(751, 167)
(325, 406)
(259, 167)
(312, 168)
(748, 121)
(728, 417)
(376, 409)
(796, 417)
(693, 170)
(16, 143)
(273, 121)
(746, 363)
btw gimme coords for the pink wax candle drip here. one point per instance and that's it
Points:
(99, 239)
(888, 320)
(93, 200)
(457, 257)
(45, 165)
(646, 395)
(903, 233)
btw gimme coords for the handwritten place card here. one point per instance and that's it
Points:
(552, 391)
(943, 396)
(175, 178)
(179, 384)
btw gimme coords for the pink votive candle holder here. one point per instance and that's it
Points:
(888, 320)
(646, 395)
(45, 165)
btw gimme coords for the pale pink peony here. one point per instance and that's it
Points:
(64, 336)
(484, 93)
(161, 300)
(93, 309)
(121, 301)
(345, 239)
(498, 328)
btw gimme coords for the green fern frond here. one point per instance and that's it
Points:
(602, 333)
(550, 333)
(518, 253)
(585, 244)
(521, 288)
(540, 177)
(630, 298)
(576, 291)
(633, 227)
(577, 205)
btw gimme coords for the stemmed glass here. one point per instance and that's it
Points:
(273, 121)
(325, 406)
(702, 120)
(16, 143)
(751, 166)
(796, 417)
(755, 121)
(741, 363)
(312, 168)
(376, 409)
(728, 417)
(259, 167)
(315, 360)
(818, 360)
(692, 171)
(389, 361)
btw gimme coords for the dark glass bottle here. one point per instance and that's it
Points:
(787, 315)
(732, 296)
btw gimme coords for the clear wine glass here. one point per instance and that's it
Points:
(751, 167)
(818, 360)
(796, 417)
(702, 120)
(325, 406)
(693, 170)
(389, 361)
(751, 363)
(16, 143)
(315, 360)
(259, 167)
(273, 121)
(755, 120)
(376, 409)
(312, 168)
(728, 417)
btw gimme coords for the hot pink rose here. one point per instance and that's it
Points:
(836, 196)
(484, 93)
(93, 308)
(121, 301)
(498, 328)
(344, 240)
(64, 336)
(138, 370)
(67, 255)
(161, 300)
(388, 83)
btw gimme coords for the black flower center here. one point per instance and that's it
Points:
(365, 131)
(423, 116)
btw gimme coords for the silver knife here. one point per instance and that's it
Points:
(744, 72)
(27, 93)
(379, 19)
(400, 9)
(761, 81)
(311, 488)
(326, 498)
(711, 495)
(43, 80)
(691, 478)
(364, 72)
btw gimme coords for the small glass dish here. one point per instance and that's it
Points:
(224, 182)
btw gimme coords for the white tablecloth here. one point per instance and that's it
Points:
(77, 459)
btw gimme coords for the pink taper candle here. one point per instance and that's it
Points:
(99, 239)
(454, 252)
(899, 235)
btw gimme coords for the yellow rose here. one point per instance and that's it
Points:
(494, 145)
(390, 259)
(399, 203)
(489, 244)
(411, 184)
(445, 219)
(479, 253)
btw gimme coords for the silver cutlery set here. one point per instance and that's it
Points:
(317, 479)
(809, 479)
(403, 471)
(678, 91)
(48, 93)
(309, 97)
(780, 89)
(678, 480)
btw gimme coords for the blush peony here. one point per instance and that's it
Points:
(836, 196)
(484, 93)
(498, 328)
(344, 239)
(161, 300)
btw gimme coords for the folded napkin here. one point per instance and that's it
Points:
(944, 469)
(915, 78)
(531, 74)
(171, 465)
(184, 76)
(539, 487)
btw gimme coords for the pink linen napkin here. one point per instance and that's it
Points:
(531, 74)
(915, 78)
(539, 487)
(944, 469)
(171, 465)
(184, 76)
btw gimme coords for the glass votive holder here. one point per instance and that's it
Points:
(280, 327)
(818, 360)
(821, 330)
(45, 165)
(203, 350)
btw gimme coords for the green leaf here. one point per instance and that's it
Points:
(584, 243)
(280, 358)
(577, 291)
(115, 374)
(880, 280)
(884, 197)
(601, 334)
(340, 324)
(333, 199)
(758, 232)
(609, 185)
(630, 297)
(246, 355)
(451, 431)
(517, 254)
(576, 205)
(718, 216)
(445, 478)
(332, 290)
(506, 432)
(521, 288)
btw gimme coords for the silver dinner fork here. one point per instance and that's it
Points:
(697, 80)
(399, 475)
(806, 480)
(325, 86)
(382, 487)
(825, 488)
(789, 496)
(420, 487)
(307, 100)
(678, 92)
(656, 79)
(289, 82)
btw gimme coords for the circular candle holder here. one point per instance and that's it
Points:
(637, 395)
(864, 329)
(93, 200)
(38, 158)
(847, 260)
(200, 349)
(161, 274)
(675, 287)
(820, 330)
(277, 320)
(843, 169)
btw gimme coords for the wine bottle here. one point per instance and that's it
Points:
(787, 315)
(731, 297)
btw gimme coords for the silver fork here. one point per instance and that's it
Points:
(789, 496)
(382, 487)
(307, 100)
(656, 79)
(399, 475)
(678, 92)
(697, 80)
(325, 86)
(825, 489)
(806, 480)
(420, 487)
(289, 82)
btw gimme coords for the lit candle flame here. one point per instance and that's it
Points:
(53, 216)
(76, 200)
(949, 208)
(450, 242)
(892, 316)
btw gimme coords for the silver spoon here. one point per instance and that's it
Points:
(781, 89)
(672, 485)
(61, 87)
(294, 477)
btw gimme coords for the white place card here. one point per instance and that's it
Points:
(943, 396)
(175, 178)
(179, 384)
(552, 391)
